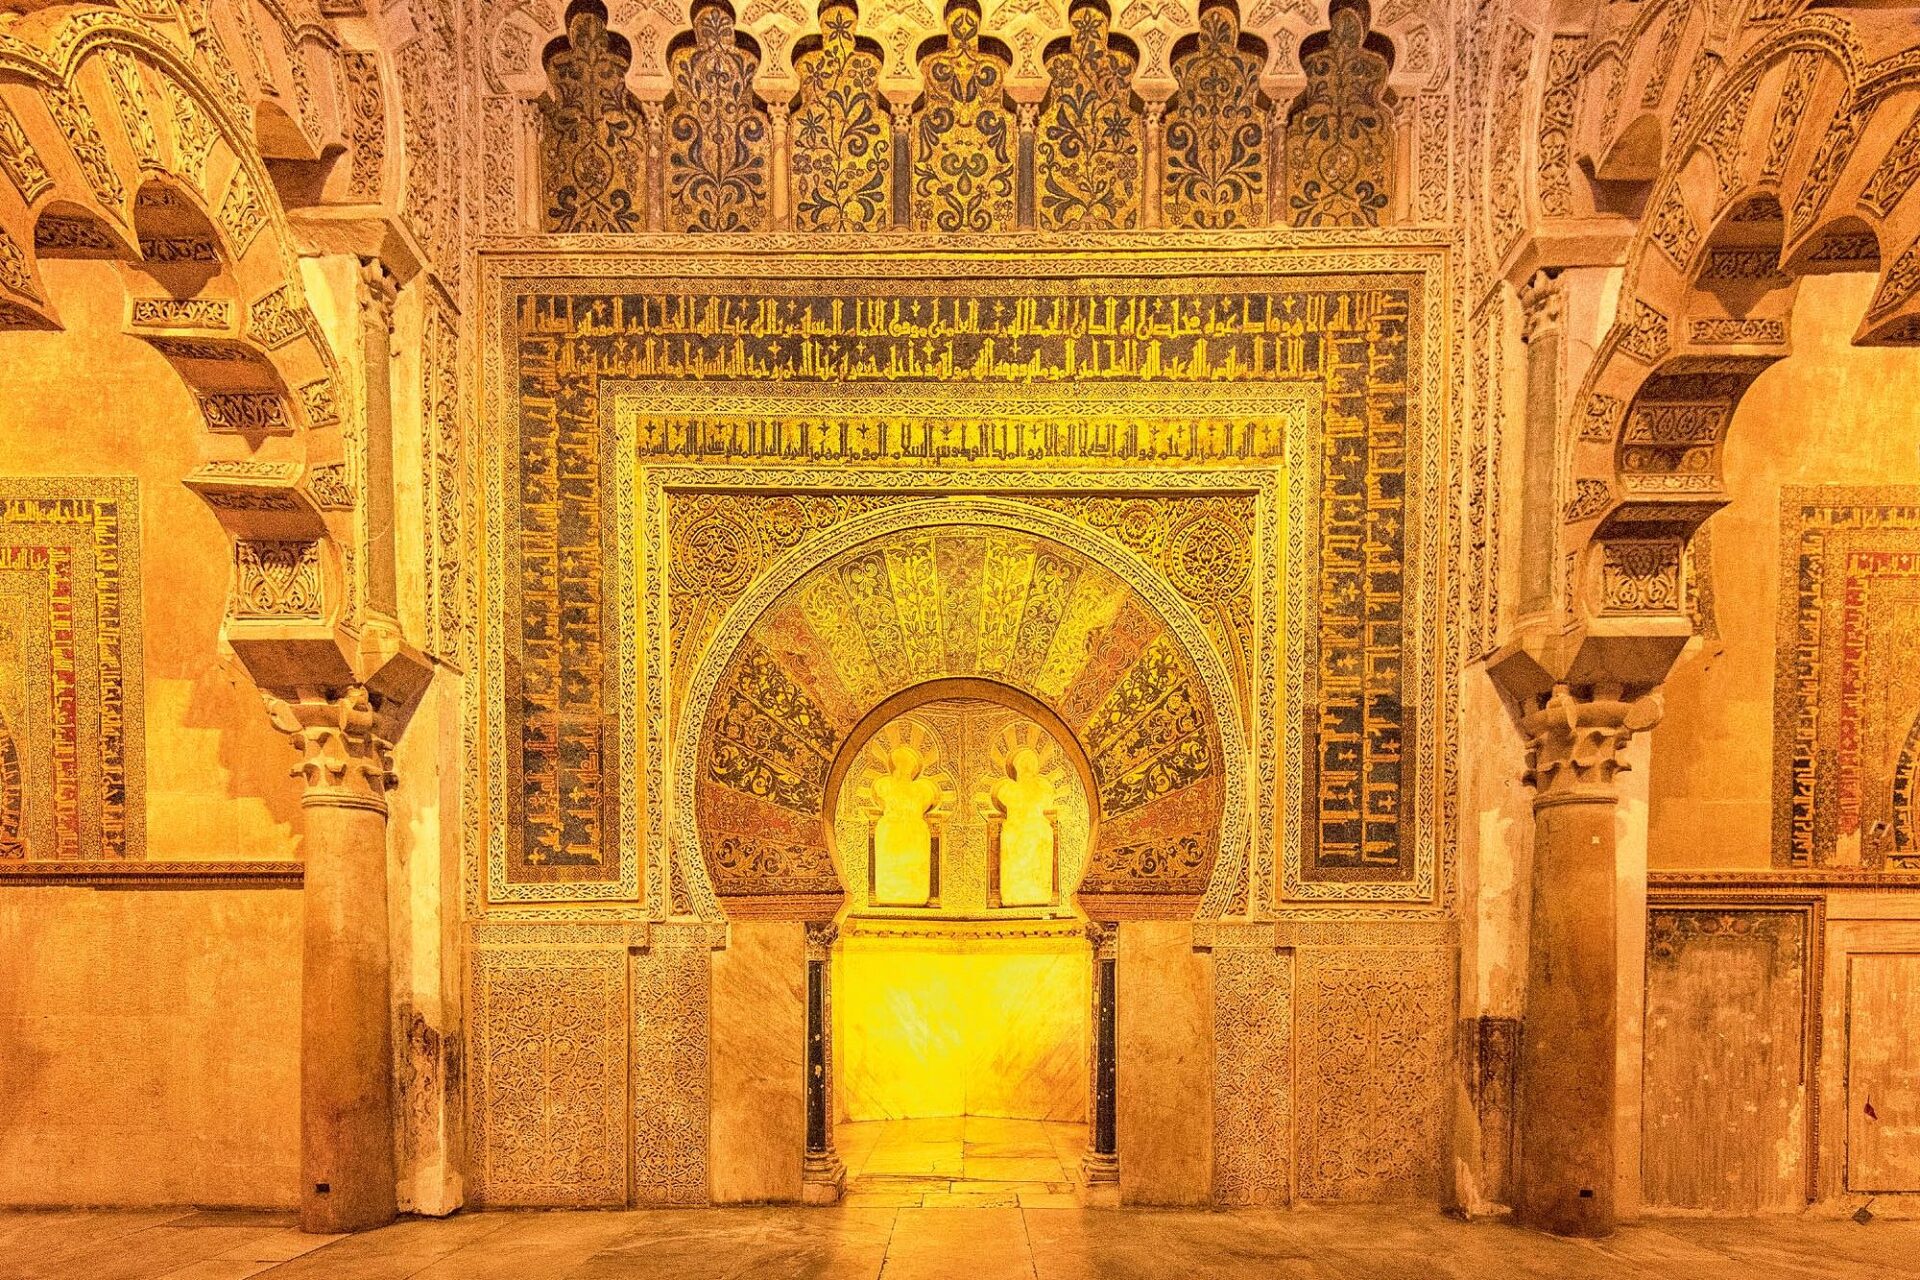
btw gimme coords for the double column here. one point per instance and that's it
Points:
(1576, 740)
(346, 1038)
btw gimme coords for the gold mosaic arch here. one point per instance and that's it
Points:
(1174, 823)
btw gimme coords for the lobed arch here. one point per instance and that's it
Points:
(782, 29)
(1799, 160)
(750, 840)
(130, 144)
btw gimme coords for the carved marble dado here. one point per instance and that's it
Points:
(670, 411)
(1375, 1027)
(1253, 1050)
(72, 753)
(547, 1071)
(669, 1068)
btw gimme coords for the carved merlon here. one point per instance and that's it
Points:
(344, 761)
(1577, 740)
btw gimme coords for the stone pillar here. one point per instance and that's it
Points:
(780, 209)
(1026, 178)
(823, 1174)
(1568, 1071)
(1151, 214)
(1542, 303)
(346, 1038)
(902, 116)
(1102, 1161)
(378, 293)
(653, 121)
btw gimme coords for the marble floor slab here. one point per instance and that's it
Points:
(967, 1162)
(936, 1240)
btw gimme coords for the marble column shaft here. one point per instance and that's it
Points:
(346, 1038)
(1567, 1052)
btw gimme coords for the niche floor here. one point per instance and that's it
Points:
(977, 1162)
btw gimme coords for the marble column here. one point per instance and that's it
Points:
(1151, 214)
(1576, 738)
(780, 205)
(1025, 170)
(901, 113)
(346, 1039)
(822, 1173)
(1102, 1161)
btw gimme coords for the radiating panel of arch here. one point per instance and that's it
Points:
(972, 588)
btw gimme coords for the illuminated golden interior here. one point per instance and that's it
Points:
(961, 981)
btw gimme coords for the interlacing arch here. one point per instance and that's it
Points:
(1793, 157)
(134, 138)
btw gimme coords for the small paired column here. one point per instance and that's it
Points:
(1150, 168)
(379, 292)
(1102, 1161)
(346, 1039)
(779, 190)
(1575, 744)
(822, 1173)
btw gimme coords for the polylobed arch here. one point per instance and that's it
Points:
(133, 150)
(942, 689)
(1709, 285)
(750, 839)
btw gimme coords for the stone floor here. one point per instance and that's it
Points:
(963, 1162)
(882, 1243)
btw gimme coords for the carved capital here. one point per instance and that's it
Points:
(1577, 740)
(379, 291)
(821, 935)
(1542, 306)
(343, 759)
(1103, 937)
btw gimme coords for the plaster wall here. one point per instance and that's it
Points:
(1830, 413)
(150, 1045)
(94, 401)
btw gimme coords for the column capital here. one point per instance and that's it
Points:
(343, 759)
(1542, 306)
(821, 935)
(379, 291)
(1577, 740)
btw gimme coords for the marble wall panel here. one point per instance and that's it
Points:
(1375, 1028)
(1726, 1099)
(1883, 1073)
(1163, 1046)
(759, 1041)
(548, 1075)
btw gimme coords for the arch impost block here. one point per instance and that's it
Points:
(1630, 655)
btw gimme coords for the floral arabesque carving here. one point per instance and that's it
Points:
(1087, 152)
(963, 133)
(1215, 172)
(717, 169)
(842, 161)
(1339, 135)
(591, 148)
